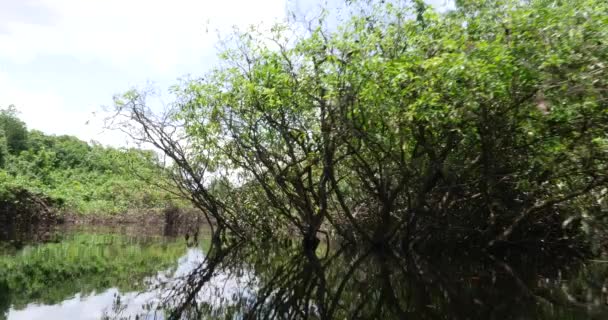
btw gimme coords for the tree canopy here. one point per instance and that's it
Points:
(485, 123)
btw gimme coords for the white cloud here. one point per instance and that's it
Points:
(152, 34)
(45, 111)
(151, 39)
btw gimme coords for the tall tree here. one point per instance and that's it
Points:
(14, 129)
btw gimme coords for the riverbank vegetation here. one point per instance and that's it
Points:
(42, 176)
(404, 126)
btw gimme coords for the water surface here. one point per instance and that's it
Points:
(78, 273)
(129, 274)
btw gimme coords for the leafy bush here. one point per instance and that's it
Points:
(81, 177)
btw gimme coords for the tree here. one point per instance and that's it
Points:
(483, 124)
(14, 129)
(3, 149)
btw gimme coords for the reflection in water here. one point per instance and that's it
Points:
(98, 305)
(73, 273)
(281, 281)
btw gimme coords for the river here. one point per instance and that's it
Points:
(124, 273)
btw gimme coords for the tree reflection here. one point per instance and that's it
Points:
(282, 281)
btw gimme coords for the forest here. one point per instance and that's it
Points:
(397, 161)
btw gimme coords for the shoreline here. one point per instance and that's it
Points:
(156, 217)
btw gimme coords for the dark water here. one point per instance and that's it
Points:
(135, 274)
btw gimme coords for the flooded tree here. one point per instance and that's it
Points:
(482, 126)
(344, 165)
(392, 161)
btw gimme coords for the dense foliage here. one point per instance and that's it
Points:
(485, 124)
(77, 176)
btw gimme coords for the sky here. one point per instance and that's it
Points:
(61, 61)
